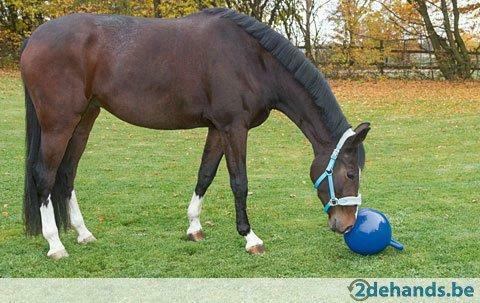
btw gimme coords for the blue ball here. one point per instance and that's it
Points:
(371, 233)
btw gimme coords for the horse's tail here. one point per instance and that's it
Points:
(59, 194)
(31, 204)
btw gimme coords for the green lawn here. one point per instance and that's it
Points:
(134, 185)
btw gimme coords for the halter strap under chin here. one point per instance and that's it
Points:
(328, 174)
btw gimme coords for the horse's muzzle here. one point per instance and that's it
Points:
(341, 223)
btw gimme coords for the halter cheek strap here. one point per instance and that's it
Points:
(328, 174)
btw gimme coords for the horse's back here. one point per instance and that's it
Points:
(75, 37)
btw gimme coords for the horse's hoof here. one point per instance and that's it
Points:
(196, 236)
(58, 254)
(256, 250)
(86, 240)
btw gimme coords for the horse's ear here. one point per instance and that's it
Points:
(361, 132)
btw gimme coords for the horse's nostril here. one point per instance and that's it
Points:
(333, 224)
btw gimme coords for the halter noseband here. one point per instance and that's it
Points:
(327, 174)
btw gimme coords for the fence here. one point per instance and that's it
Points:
(420, 62)
(396, 63)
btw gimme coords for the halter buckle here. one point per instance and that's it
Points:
(333, 201)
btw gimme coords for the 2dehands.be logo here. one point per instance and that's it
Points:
(361, 290)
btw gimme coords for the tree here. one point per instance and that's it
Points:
(17, 20)
(450, 51)
(439, 21)
(263, 10)
(156, 8)
(300, 21)
(352, 46)
(287, 20)
(309, 25)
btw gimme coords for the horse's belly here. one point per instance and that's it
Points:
(155, 113)
(148, 96)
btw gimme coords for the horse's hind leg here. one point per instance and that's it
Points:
(72, 156)
(52, 148)
(62, 145)
(53, 113)
(212, 154)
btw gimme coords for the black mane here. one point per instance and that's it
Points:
(295, 62)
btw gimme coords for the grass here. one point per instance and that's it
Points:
(134, 185)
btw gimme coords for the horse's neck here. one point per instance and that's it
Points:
(296, 104)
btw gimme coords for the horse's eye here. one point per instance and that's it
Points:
(351, 175)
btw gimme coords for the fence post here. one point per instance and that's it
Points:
(430, 57)
(403, 58)
(382, 62)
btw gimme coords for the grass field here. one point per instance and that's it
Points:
(134, 184)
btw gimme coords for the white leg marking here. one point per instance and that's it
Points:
(194, 210)
(50, 231)
(76, 219)
(252, 240)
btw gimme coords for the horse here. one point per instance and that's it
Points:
(217, 69)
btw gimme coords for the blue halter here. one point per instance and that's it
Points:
(328, 174)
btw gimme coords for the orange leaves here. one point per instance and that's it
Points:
(419, 98)
(471, 7)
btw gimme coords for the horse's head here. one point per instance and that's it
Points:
(346, 179)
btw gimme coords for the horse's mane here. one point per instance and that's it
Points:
(296, 63)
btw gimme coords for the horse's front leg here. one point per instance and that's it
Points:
(212, 154)
(235, 148)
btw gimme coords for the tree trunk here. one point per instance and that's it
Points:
(451, 54)
(307, 36)
(466, 68)
(156, 8)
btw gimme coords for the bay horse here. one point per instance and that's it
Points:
(216, 68)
